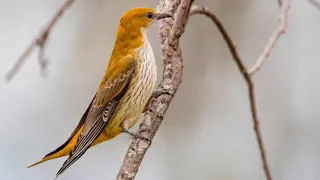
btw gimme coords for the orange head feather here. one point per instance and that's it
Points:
(137, 18)
(130, 30)
(130, 33)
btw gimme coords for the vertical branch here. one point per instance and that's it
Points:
(169, 33)
(40, 42)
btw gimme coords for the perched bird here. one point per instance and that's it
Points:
(123, 92)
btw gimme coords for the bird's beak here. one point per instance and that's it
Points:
(163, 15)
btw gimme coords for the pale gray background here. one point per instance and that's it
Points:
(207, 133)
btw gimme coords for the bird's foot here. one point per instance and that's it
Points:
(134, 134)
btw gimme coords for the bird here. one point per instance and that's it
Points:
(123, 93)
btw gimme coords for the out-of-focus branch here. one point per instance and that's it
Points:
(274, 38)
(170, 32)
(315, 3)
(40, 42)
(205, 11)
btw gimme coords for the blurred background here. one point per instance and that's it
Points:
(207, 133)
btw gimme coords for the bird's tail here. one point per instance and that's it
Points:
(46, 158)
(66, 148)
(61, 151)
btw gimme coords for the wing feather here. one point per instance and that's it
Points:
(104, 104)
(85, 142)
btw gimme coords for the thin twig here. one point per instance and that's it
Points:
(40, 42)
(315, 3)
(205, 11)
(170, 33)
(274, 38)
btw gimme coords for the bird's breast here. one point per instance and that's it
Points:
(143, 83)
(140, 89)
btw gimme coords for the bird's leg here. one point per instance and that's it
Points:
(155, 94)
(134, 134)
(125, 129)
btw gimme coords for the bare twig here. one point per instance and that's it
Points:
(40, 42)
(274, 38)
(169, 32)
(205, 11)
(315, 3)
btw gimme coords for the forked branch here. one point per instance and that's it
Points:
(274, 38)
(170, 32)
(205, 11)
(40, 41)
(246, 74)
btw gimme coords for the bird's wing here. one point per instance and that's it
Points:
(58, 152)
(116, 82)
(81, 122)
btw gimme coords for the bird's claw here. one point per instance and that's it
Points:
(134, 134)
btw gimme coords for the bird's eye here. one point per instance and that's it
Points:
(149, 15)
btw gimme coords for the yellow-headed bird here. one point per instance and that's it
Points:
(123, 93)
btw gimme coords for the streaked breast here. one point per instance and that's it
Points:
(138, 94)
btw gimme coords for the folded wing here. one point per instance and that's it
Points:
(117, 79)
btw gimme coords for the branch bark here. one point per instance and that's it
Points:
(169, 34)
(172, 78)
(274, 38)
(40, 41)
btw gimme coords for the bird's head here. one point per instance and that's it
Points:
(140, 18)
(131, 29)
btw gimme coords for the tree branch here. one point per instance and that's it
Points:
(274, 38)
(169, 33)
(205, 11)
(40, 42)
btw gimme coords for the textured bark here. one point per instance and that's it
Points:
(169, 33)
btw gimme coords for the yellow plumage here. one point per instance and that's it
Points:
(123, 92)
